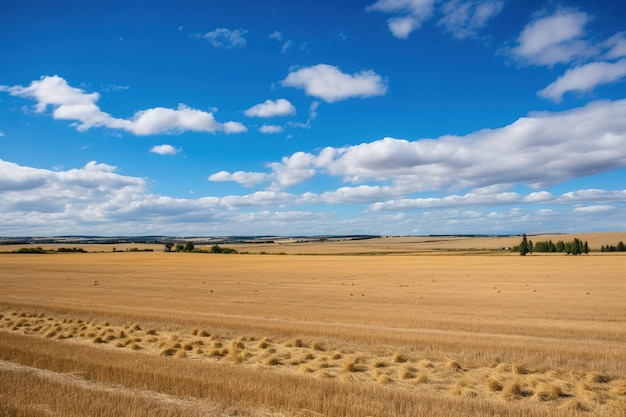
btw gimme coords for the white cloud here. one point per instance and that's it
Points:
(408, 15)
(224, 38)
(95, 199)
(270, 108)
(328, 83)
(93, 166)
(584, 78)
(233, 127)
(163, 120)
(553, 39)
(463, 18)
(616, 45)
(288, 44)
(594, 209)
(276, 35)
(1, 134)
(596, 195)
(165, 150)
(257, 199)
(70, 103)
(271, 129)
(569, 144)
(247, 179)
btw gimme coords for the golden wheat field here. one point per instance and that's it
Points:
(382, 327)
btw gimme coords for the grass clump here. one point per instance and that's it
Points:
(425, 364)
(294, 343)
(168, 352)
(548, 393)
(454, 365)
(420, 378)
(519, 369)
(272, 361)
(493, 385)
(406, 372)
(513, 390)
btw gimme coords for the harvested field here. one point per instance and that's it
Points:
(153, 333)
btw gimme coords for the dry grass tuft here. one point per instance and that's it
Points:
(306, 369)
(406, 372)
(294, 343)
(238, 345)
(420, 378)
(575, 405)
(493, 385)
(168, 352)
(519, 369)
(379, 363)
(425, 364)
(399, 358)
(315, 345)
(263, 344)
(596, 378)
(462, 390)
(349, 367)
(513, 390)
(272, 361)
(454, 365)
(548, 392)
(204, 333)
(620, 388)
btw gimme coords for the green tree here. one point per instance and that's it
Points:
(586, 247)
(168, 246)
(180, 247)
(523, 247)
(189, 247)
(621, 247)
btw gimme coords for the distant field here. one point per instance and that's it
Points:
(383, 245)
(423, 331)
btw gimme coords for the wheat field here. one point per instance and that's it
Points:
(434, 327)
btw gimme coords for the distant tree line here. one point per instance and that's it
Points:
(189, 247)
(610, 248)
(39, 249)
(574, 247)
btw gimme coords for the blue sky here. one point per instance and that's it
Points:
(281, 118)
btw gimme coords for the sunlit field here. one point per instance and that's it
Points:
(382, 327)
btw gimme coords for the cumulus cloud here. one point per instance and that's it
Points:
(165, 150)
(247, 179)
(328, 83)
(271, 129)
(569, 144)
(594, 209)
(97, 199)
(463, 18)
(271, 108)
(224, 38)
(407, 15)
(553, 39)
(74, 104)
(584, 78)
